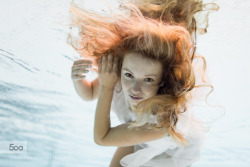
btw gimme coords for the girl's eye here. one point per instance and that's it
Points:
(128, 75)
(131, 76)
(149, 80)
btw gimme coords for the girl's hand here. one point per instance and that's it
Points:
(107, 71)
(79, 69)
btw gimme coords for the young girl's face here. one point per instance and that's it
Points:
(140, 78)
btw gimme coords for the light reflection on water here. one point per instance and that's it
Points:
(38, 103)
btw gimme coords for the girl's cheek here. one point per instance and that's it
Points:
(125, 83)
(147, 89)
(150, 90)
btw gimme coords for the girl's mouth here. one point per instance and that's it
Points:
(135, 98)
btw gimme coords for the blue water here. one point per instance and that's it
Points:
(38, 103)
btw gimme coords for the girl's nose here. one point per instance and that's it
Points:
(136, 87)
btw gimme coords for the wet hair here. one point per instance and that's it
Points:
(161, 30)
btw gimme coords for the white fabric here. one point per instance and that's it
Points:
(164, 152)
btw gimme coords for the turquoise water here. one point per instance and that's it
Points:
(38, 104)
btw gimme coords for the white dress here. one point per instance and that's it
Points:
(164, 152)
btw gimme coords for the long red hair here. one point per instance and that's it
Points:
(162, 30)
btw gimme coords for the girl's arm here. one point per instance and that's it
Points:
(116, 136)
(85, 89)
(119, 154)
(95, 88)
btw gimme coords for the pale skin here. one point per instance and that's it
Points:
(140, 77)
(134, 82)
(89, 91)
(85, 89)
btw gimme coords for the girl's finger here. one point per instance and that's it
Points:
(115, 64)
(77, 77)
(104, 63)
(81, 71)
(81, 61)
(76, 67)
(109, 63)
(100, 64)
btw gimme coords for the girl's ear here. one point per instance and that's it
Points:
(162, 83)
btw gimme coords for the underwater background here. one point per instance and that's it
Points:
(40, 110)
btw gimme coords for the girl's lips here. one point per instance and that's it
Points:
(135, 98)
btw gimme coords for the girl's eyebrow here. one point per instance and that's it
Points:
(145, 75)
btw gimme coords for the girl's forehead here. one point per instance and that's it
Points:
(134, 57)
(136, 62)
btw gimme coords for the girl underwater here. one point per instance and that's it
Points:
(146, 76)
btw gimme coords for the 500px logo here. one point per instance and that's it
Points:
(15, 148)
(19, 147)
